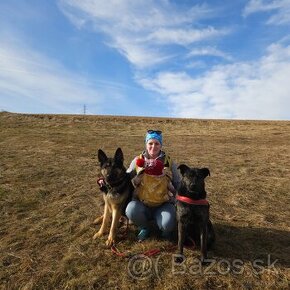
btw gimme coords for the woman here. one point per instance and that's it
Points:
(154, 194)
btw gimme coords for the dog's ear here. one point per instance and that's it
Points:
(183, 168)
(119, 156)
(205, 172)
(102, 156)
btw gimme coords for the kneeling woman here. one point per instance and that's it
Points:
(154, 188)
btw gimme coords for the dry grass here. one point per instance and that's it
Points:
(49, 198)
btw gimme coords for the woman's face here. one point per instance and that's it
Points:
(153, 148)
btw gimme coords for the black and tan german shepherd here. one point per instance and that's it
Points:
(192, 210)
(117, 193)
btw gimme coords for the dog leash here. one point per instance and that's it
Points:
(151, 252)
(148, 253)
(124, 230)
(155, 251)
(115, 251)
(193, 245)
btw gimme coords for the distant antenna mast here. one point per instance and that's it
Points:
(85, 109)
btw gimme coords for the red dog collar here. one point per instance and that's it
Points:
(192, 201)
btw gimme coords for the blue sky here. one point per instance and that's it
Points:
(218, 59)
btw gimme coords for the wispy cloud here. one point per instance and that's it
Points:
(245, 90)
(184, 36)
(137, 15)
(209, 51)
(28, 75)
(137, 29)
(280, 10)
(138, 54)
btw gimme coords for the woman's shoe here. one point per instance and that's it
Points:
(143, 234)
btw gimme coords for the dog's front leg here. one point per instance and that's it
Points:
(98, 220)
(203, 242)
(106, 219)
(181, 239)
(116, 214)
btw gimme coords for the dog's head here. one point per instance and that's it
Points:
(112, 169)
(192, 181)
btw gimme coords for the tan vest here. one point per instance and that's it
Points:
(153, 190)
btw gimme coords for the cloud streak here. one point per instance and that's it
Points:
(183, 36)
(245, 90)
(280, 10)
(28, 75)
(209, 51)
(137, 29)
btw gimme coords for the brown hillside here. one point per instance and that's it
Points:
(49, 199)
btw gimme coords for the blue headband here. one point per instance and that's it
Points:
(155, 136)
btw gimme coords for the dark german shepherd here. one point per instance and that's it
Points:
(117, 193)
(193, 211)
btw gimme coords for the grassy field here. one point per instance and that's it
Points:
(49, 199)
